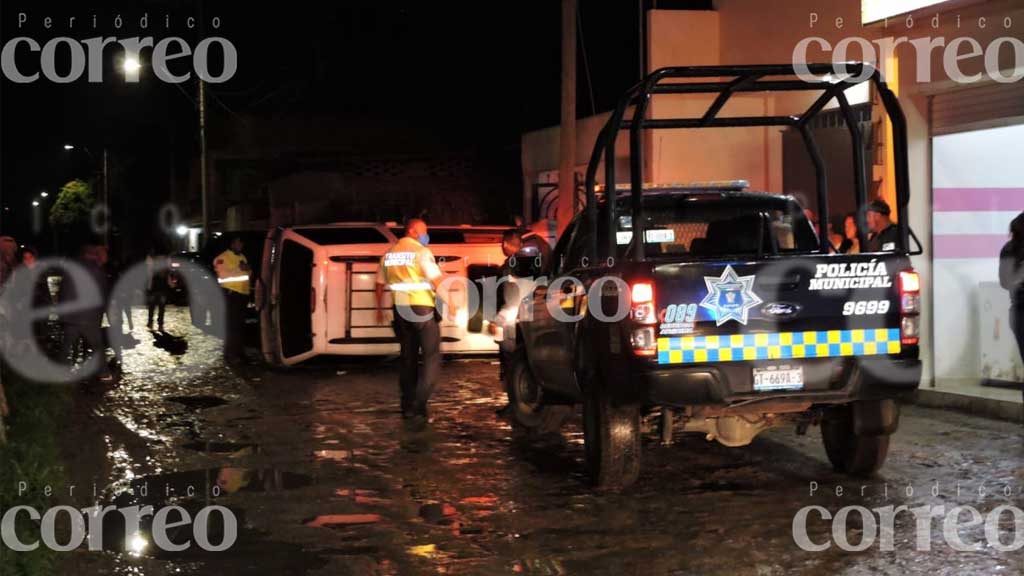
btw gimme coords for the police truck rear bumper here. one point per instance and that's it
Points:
(826, 382)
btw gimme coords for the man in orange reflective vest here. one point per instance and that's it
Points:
(409, 271)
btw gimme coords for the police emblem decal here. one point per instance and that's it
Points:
(730, 297)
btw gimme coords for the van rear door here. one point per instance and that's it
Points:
(289, 334)
(352, 255)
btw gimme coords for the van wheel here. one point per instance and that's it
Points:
(611, 436)
(851, 453)
(526, 399)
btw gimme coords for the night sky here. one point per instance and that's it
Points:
(407, 77)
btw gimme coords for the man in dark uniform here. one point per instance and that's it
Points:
(86, 324)
(884, 234)
(507, 296)
(1011, 277)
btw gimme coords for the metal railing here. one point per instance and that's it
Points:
(751, 78)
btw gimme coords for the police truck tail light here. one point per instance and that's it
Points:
(910, 292)
(910, 307)
(642, 303)
(643, 339)
(909, 329)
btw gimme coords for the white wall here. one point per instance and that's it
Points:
(968, 236)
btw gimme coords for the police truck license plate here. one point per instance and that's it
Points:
(778, 378)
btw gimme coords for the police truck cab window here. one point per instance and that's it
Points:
(701, 227)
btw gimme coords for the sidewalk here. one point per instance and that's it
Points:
(1001, 404)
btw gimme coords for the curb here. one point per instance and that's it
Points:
(985, 407)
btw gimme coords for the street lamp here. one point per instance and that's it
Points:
(131, 65)
(37, 217)
(44, 194)
(69, 146)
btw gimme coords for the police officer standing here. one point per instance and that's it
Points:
(884, 235)
(233, 276)
(409, 270)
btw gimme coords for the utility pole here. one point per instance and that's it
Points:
(202, 161)
(106, 199)
(567, 134)
(202, 140)
(640, 35)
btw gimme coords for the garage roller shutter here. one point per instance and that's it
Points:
(987, 106)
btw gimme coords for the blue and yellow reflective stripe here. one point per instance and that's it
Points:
(778, 346)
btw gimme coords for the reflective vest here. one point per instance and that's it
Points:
(230, 275)
(402, 269)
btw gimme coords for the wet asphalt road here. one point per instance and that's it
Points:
(325, 479)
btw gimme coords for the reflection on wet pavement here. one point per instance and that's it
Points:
(197, 402)
(325, 479)
(235, 449)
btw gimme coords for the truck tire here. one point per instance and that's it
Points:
(526, 399)
(611, 437)
(851, 453)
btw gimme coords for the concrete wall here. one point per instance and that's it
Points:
(682, 38)
(693, 38)
(540, 150)
(718, 154)
(979, 186)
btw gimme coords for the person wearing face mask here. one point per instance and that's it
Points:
(409, 271)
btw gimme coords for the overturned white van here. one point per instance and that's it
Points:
(317, 284)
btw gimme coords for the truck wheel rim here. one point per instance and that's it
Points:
(527, 392)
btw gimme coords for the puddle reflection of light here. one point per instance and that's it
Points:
(342, 520)
(121, 465)
(425, 551)
(333, 454)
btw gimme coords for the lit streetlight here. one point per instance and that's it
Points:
(69, 146)
(132, 65)
(44, 194)
(35, 202)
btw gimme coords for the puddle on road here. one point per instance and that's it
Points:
(192, 491)
(158, 489)
(341, 521)
(197, 402)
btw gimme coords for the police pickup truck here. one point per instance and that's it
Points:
(721, 311)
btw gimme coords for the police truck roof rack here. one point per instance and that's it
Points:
(710, 186)
(752, 78)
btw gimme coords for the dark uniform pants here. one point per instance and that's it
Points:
(156, 301)
(234, 346)
(1017, 325)
(88, 330)
(417, 384)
